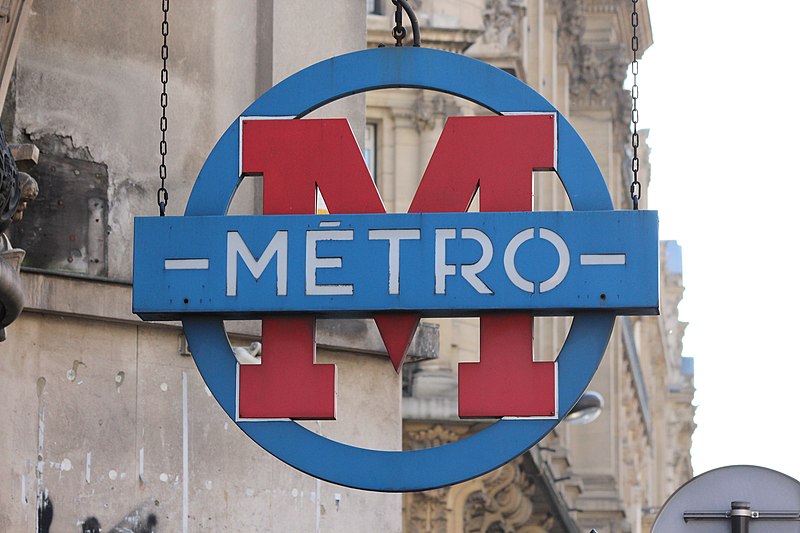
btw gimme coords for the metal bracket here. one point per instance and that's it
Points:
(740, 515)
(399, 32)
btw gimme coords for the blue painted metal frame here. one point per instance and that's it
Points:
(583, 349)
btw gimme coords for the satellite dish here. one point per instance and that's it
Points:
(733, 499)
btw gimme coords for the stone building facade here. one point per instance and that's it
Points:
(611, 474)
(110, 422)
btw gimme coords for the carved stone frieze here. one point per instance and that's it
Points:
(503, 502)
(430, 111)
(596, 78)
(597, 67)
(571, 28)
(419, 436)
(501, 42)
(427, 511)
(501, 20)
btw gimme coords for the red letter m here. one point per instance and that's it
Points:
(496, 154)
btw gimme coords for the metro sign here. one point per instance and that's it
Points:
(503, 264)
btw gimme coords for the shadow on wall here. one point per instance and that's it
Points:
(139, 520)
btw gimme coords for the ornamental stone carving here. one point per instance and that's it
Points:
(17, 188)
(427, 511)
(419, 436)
(430, 111)
(571, 29)
(501, 18)
(597, 67)
(597, 76)
(501, 43)
(503, 502)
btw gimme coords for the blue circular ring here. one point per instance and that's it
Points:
(392, 471)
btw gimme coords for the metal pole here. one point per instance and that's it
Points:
(740, 517)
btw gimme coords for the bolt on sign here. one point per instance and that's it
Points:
(503, 264)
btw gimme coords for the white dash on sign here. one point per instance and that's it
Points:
(602, 259)
(185, 264)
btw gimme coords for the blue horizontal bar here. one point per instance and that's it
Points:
(551, 263)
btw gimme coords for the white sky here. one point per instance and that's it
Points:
(719, 91)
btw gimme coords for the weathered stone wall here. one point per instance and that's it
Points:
(106, 415)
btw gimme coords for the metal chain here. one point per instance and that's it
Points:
(636, 187)
(398, 32)
(163, 195)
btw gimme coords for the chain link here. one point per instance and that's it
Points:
(163, 195)
(398, 32)
(636, 187)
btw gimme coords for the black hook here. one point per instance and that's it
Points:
(399, 32)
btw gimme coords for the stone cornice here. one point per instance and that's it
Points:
(622, 9)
